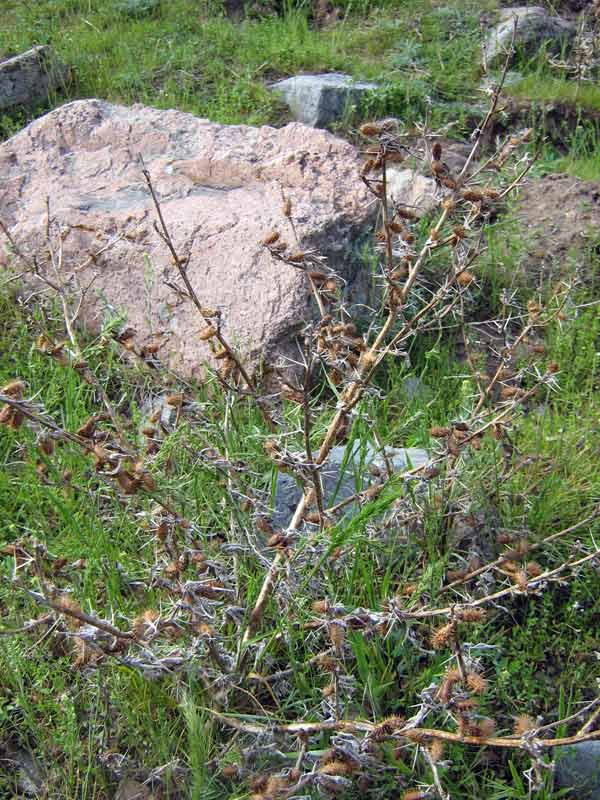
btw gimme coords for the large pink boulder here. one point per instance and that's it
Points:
(221, 192)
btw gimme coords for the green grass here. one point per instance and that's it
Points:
(546, 89)
(586, 168)
(189, 56)
(581, 162)
(543, 651)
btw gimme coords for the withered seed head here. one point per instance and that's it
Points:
(474, 195)
(534, 569)
(128, 483)
(209, 312)
(337, 768)
(69, 604)
(369, 129)
(491, 193)
(259, 782)
(145, 624)
(318, 277)
(471, 614)
(476, 682)
(14, 389)
(415, 794)
(443, 635)
(465, 278)
(277, 540)
(207, 333)
(521, 579)
(226, 369)
(326, 661)
(523, 723)
(439, 432)
(272, 447)
(337, 634)
(275, 785)
(230, 771)
(467, 703)
(487, 727)
(387, 727)
(270, 238)
(264, 525)
(406, 213)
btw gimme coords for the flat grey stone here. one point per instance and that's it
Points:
(534, 27)
(342, 480)
(28, 79)
(319, 100)
(578, 769)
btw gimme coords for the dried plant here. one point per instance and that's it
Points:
(207, 622)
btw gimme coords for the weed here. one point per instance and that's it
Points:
(154, 627)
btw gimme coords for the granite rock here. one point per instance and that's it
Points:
(221, 192)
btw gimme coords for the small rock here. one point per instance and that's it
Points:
(27, 79)
(341, 481)
(534, 27)
(319, 100)
(578, 769)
